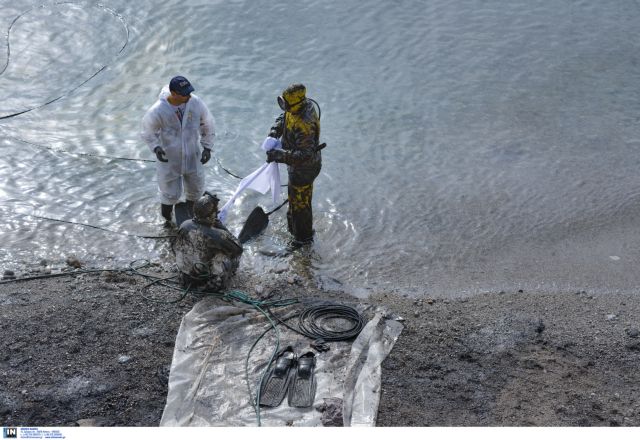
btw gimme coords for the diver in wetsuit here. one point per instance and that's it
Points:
(207, 254)
(299, 130)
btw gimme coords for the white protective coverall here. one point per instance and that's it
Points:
(161, 127)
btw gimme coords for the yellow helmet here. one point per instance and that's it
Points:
(291, 97)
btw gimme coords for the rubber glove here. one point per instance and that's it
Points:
(160, 154)
(206, 155)
(279, 156)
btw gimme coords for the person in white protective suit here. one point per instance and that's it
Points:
(174, 129)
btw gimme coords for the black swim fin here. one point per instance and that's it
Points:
(302, 391)
(275, 383)
(254, 225)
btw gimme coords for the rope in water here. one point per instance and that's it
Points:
(51, 101)
(74, 153)
(100, 156)
(86, 225)
(17, 113)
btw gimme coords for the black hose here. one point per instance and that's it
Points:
(226, 170)
(314, 320)
(314, 323)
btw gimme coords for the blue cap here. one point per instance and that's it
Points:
(180, 85)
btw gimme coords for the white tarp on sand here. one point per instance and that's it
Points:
(208, 381)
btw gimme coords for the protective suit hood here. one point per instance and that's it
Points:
(164, 93)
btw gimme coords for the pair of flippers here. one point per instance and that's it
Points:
(290, 375)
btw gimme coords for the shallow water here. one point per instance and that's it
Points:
(472, 145)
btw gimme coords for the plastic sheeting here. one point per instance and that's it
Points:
(265, 177)
(213, 358)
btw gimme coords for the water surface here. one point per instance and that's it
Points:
(473, 145)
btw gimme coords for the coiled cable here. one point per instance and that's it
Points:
(315, 322)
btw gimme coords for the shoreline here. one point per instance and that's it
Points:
(90, 350)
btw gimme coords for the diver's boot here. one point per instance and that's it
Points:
(190, 204)
(166, 211)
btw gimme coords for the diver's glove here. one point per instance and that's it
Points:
(206, 155)
(279, 156)
(160, 154)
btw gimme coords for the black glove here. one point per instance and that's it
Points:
(206, 155)
(279, 156)
(160, 154)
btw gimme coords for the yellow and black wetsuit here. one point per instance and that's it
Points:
(299, 130)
